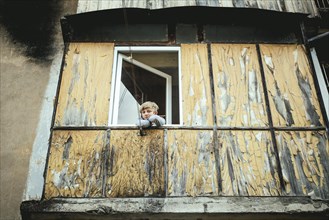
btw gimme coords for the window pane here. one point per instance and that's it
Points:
(146, 76)
(139, 85)
(166, 62)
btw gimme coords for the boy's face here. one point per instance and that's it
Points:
(147, 112)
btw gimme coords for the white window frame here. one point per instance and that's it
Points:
(116, 79)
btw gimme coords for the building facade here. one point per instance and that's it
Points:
(237, 81)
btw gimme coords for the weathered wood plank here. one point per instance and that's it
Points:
(75, 164)
(248, 165)
(224, 3)
(238, 86)
(196, 97)
(191, 164)
(301, 6)
(292, 95)
(304, 160)
(85, 88)
(269, 5)
(295, 6)
(136, 164)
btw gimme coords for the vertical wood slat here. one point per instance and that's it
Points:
(300, 6)
(248, 165)
(85, 88)
(224, 3)
(291, 91)
(191, 163)
(304, 158)
(103, 5)
(136, 164)
(75, 164)
(196, 94)
(238, 86)
(295, 6)
(83, 6)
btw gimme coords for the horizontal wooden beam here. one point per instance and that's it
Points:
(174, 127)
(177, 208)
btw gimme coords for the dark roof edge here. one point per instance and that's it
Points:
(89, 21)
(177, 14)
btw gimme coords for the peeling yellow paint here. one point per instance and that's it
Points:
(85, 87)
(136, 164)
(252, 172)
(191, 163)
(293, 99)
(196, 96)
(305, 170)
(75, 164)
(238, 85)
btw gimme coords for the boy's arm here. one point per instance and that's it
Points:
(157, 120)
(143, 123)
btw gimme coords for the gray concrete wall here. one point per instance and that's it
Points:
(31, 39)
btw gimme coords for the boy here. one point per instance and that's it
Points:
(149, 117)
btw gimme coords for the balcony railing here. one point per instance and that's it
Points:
(323, 5)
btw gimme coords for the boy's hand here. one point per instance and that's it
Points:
(157, 120)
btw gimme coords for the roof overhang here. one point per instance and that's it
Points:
(74, 25)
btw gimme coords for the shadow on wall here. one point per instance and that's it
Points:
(31, 23)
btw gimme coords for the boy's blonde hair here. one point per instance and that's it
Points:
(151, 105)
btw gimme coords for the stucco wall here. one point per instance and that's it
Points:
(31, 39)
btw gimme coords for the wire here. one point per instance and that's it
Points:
(141, 132)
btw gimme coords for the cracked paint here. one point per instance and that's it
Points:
(238, 86)
(85, 86)
(196, 96)
(75, 165)
(291, 91)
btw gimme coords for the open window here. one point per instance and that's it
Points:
(145, 74)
